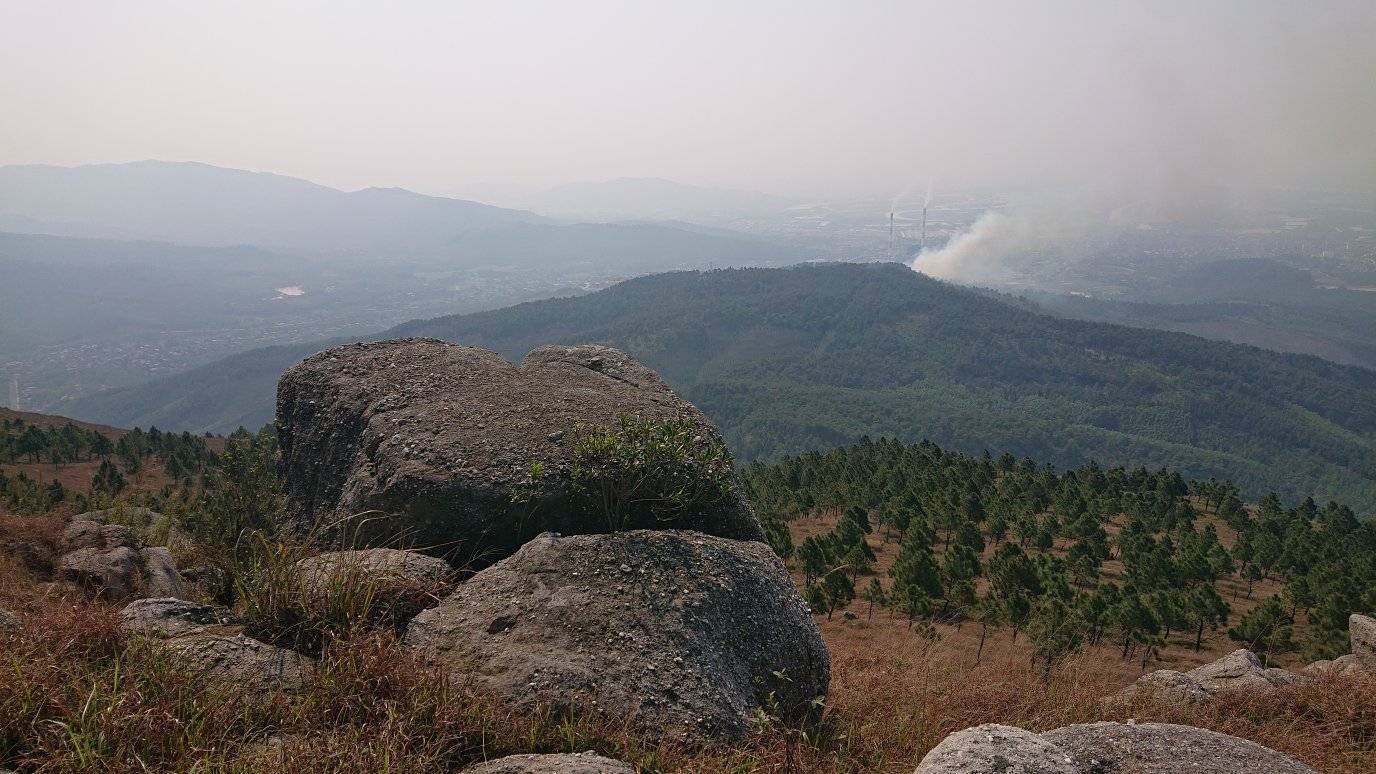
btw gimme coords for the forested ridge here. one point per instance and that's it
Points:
(810, 357)
(1008, 543)
(788, 360)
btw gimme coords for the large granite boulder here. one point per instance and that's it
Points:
(996, 749)
(678, 634)
(160, 576)
(1342, 665)
(567, 763)
(1103, 748)
(1362, 630)
(246, 663)
(1165, 748)
(423, 443)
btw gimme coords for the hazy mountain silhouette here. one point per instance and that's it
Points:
(206, 205)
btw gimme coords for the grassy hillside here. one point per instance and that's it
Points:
(786, 360)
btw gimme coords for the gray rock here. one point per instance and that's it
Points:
(171, 617)
(1164, 748)
(244, 662)
(677, 633)
(84, 533)
(1279, 677)
(1362, 630)
(1316, 668)
(376, 564)
(1165, 685)
(112, 573)
(569, 763)
(135, 513)
(9, 622)
(996, 749)
(1342, 665)
(1239, 670)
(107, 559)
(1347, 664)
(435, 441)
(160, 576)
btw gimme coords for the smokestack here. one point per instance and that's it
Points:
(926, 202)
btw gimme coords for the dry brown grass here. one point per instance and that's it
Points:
(78, 695)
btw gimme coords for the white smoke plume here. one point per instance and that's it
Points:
(999, 247)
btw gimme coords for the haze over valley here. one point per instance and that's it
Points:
(640, 388)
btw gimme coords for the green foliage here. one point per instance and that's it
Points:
(242, 493)
(644, 473)
(786, 360)
(1056, 631)
(1172, 559)
(1265, 629)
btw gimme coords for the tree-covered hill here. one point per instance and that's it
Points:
(787, 360)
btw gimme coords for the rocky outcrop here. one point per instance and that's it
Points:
(160, 576)
(110, 560)
(254, 666)
(568, 763)
(996, 749)
(111, 572)
(1103, 748)
(434, 442)
(1165, 685)
(1362, 630)
(675, 633)
(1165, 748)
(9, 622)
(1342, 665)
(386, 566)
(1240, 670)
(86, 533)
(170, 617)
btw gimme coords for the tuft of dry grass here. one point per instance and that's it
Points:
(1329, 724)
(278, 604)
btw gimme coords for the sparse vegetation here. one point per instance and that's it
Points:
(1079, 569)
(646, 473)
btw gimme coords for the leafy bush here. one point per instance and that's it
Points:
(643, 473)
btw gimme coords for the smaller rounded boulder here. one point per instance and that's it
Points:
(679, 634)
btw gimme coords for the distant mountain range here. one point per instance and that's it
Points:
(787, 360)
(201, 204)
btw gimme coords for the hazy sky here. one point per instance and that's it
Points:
(798, 97)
